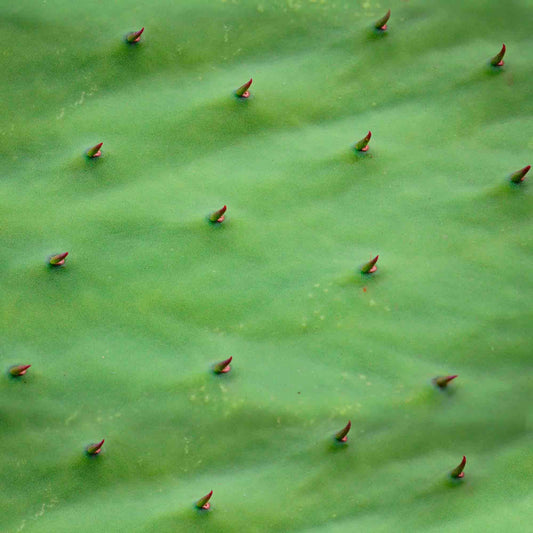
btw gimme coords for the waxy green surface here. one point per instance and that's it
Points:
(121, 340)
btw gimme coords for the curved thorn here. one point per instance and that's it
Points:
(18, 370)
(57, 260)
(362, 145)
(442, 381)
(218, 216)
(94, 151)
(134, 36)
(457, 472)
(341, 436)
(242, 91)
(497, 60)
(381, 24)
(519, 175)
(203, 503)
(95, 449)
(370, 267)
(223, 366)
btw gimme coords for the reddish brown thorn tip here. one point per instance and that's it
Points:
(242, 91)
(57, 260)
(381, 24)
(457, 472)
(497, 60)
(94, 151)
(370, 267)
(218, 216)
(442, 381)
(134, 36)
(519, 175)
(18, 370)
(362, 145)
(223, 366)
(341, 436)
(203, 503)
(95, 449)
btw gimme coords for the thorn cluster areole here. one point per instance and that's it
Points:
(58, 259)
(519, 175)
(342, 435)
(18, 370)
(134, 36)
(223, 367)
(242, 91)
(381, 24)
(95, 151)
(203, 503)
(370, 267)
(218, 216)
(457, 472)
(95, 448)
(497, 60)
(443, 381)
(362, 145)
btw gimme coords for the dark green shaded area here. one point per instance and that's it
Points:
(122, 339)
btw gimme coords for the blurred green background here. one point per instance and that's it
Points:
(122, 338)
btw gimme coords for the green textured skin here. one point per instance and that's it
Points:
(123, 337)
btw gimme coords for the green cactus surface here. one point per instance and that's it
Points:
(122, 337)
